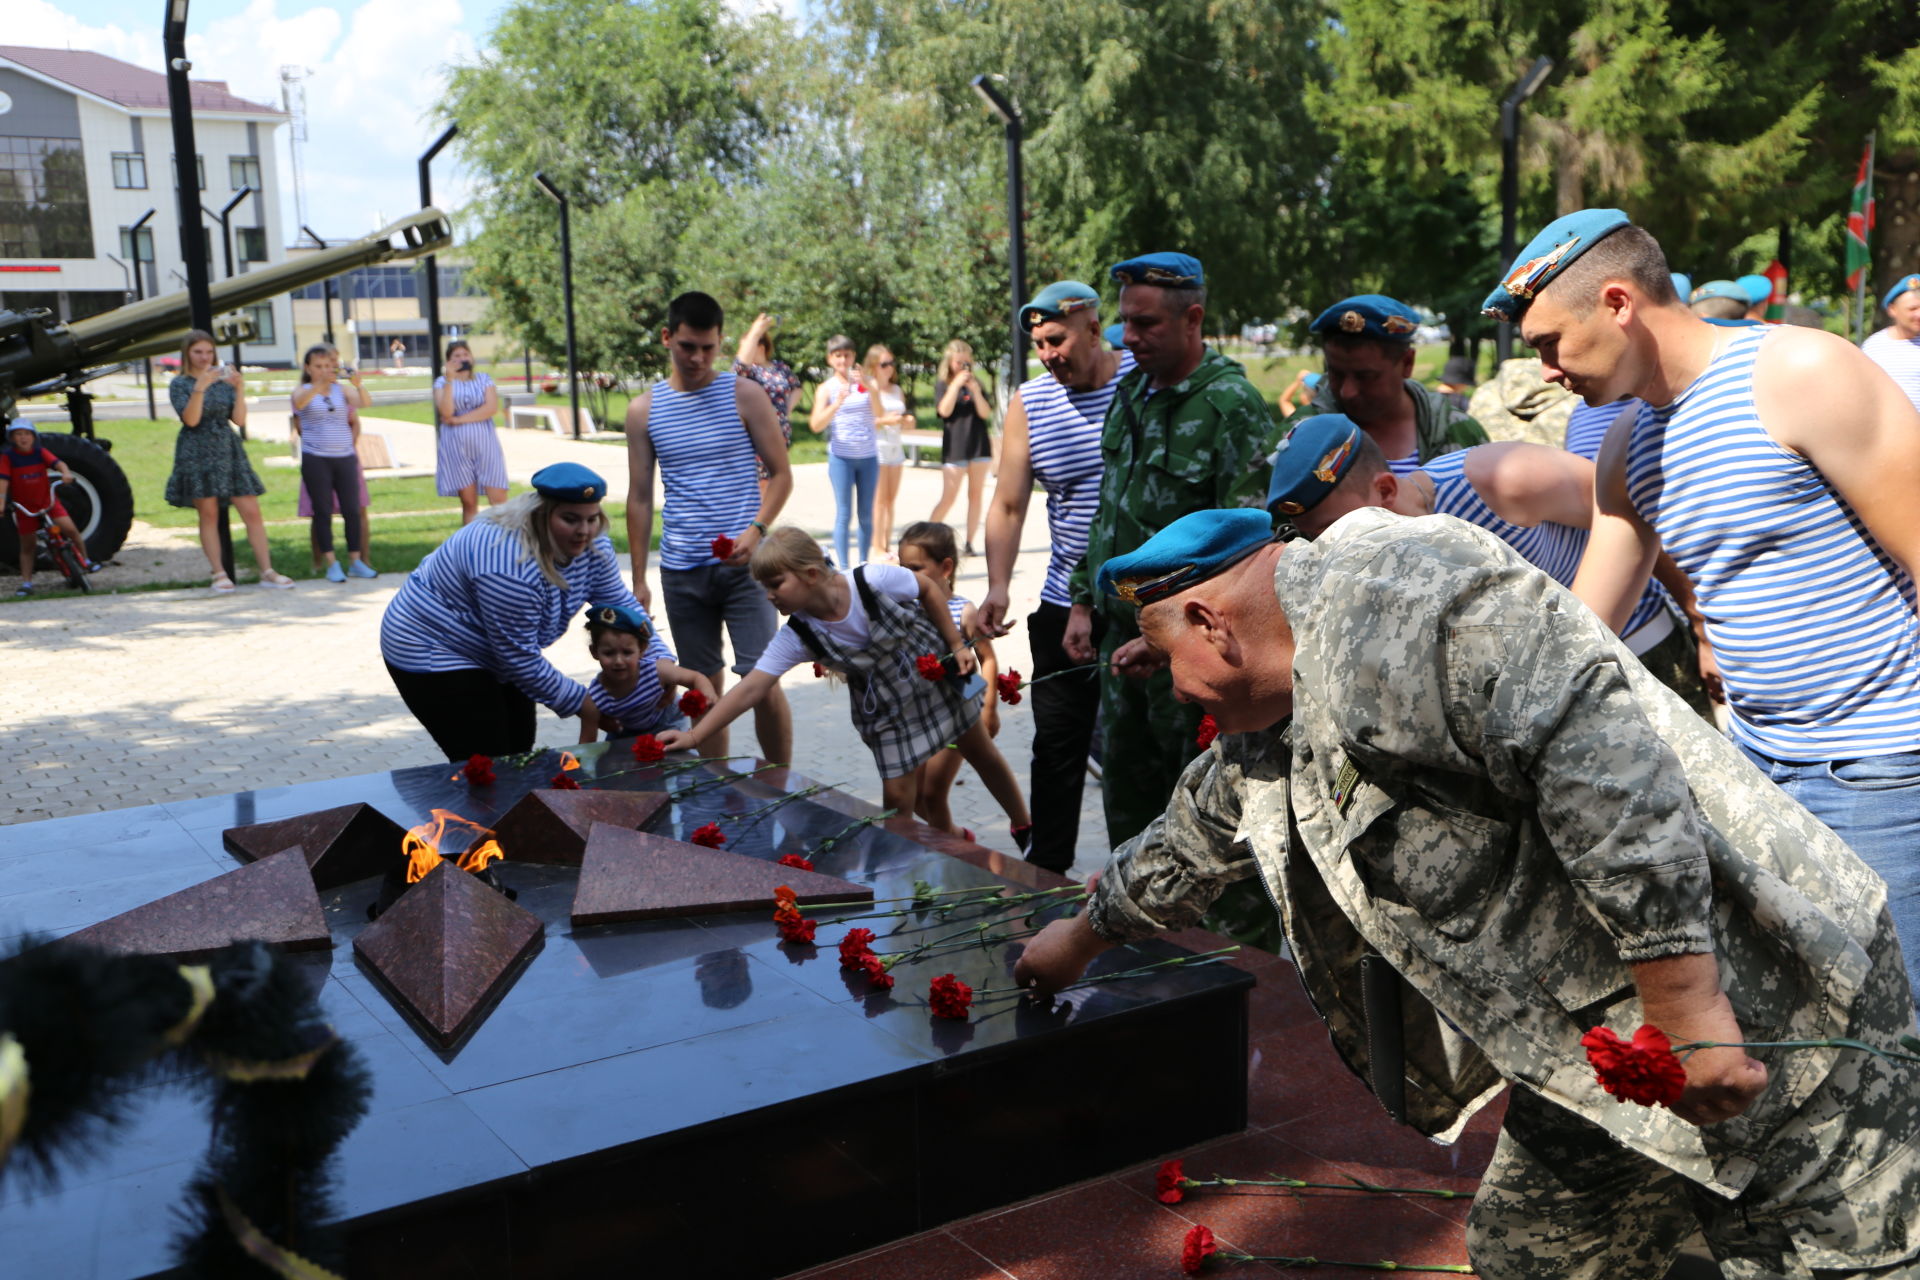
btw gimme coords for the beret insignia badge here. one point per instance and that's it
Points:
(1352, 322)
(1524, 280)
(1397, 325)
(1328, 472)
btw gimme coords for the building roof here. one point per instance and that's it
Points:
(124, 83)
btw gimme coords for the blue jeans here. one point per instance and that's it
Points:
(1874, 805)
(847, 474)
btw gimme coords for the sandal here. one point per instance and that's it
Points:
(222, 585)
(275, 579)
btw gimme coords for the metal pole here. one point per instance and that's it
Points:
(1509, 208)
(326, 286)
(566, 280)
(1016, 224)
(226, 251)
(1860, 290)
(186, 163)
(433, 269)
(139, 295)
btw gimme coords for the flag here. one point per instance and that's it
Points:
(1860, 219)
(1777, 304)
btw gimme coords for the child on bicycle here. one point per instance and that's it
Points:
(929, 548)
(873, 626)
(25, 485)
(638, 688)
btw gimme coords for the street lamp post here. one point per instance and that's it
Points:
(186, 163)
(1525, 87)
(566, 275)
(326, 286)
(1016, 222)
(433, 270)
(139, 293)
(226, 253)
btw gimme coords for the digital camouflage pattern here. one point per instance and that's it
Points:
(1480, 785)
(1439, 426)
(1196, 446)
(1520, 404)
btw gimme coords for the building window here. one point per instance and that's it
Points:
(262, 314)
(44, 211)
(253, 243)
(243, 171)
(130, 170)
(146, 245)
(200, 163)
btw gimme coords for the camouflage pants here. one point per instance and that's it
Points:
(1562, 1199)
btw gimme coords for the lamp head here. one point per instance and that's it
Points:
(552, 192)
(995, 100)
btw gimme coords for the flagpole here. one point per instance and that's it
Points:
(1860, 290)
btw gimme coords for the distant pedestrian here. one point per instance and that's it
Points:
(210, 460)
(843, 407)
(467, 456)
(754, 359)
(325, 429)
(304, 509)
(965, 410)
(1456, 382)
(1896, 348)
(890, 416)
(398, 350)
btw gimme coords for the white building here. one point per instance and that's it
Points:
(86, 147)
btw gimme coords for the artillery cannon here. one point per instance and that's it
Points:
(41, 356)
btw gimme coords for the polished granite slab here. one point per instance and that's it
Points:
(689, 1091)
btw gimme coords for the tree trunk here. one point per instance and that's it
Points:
(1896, 240)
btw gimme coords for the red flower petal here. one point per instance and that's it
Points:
(857, 944)
(797, 930)
(877, 974)
(1196, 1248)
(722, 547)
(479, 771)
(819, 672)
(647, 749)
(930, 667)
(1009, 687)
(694, 703)
(795, 861)
(561, 782)
(1208, 731)
(1645, 1071)
(949, 997)
(710, 836)
(1167, 1183)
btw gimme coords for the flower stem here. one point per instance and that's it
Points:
(1859, 1045)
(1205, 957)
(1282, 1260)
(1351, 1184)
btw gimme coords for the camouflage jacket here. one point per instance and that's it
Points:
(1193, 447)
(1439, 426)
(1520, 404)
(1480, 785)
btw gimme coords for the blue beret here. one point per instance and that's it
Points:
(620, 618)
(569, 482)
(1115, 334)
(1546, 256)
(1682, 284)
(1179, 270)
(1312, 381)
(1905, 284)
(1311, 460)
(1056, 302)
(1194, 548)
(1758, 289)
(1374, 315)
(1720, 289)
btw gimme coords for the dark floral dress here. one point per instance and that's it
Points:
(781, 384)
(209, 461)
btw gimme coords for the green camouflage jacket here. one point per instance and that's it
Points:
(1520, 404)
(1439, 426)
(1480, 785)
(1199, 445)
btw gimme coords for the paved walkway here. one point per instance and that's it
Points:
(131, 699)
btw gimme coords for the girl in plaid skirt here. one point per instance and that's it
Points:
(871, 626)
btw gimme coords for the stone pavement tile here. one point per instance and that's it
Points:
(1096, 1231)
(934, 1256)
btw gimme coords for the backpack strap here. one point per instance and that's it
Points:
(808, 638)
(867, 601)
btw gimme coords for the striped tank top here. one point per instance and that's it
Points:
(1812, 622)
(957, 610)
(707, 467)
(468, 394)
(851, 435)
(1063, 445)
(1587, 426)
(324, 429)
(1554, 549)
(1900, 357)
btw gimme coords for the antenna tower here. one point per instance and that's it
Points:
(293, 99)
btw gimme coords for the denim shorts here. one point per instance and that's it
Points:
(698, 600)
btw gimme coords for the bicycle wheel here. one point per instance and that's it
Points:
(68, 562)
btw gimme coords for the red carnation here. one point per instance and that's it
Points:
(1167, 1183)
(1196, 1248)
(561, 782)
(1643, 1071)
(783, 895)
(694, 703)
(479, 771)
(819, 672)
(722, 547)
(710, 836)
(949, 997)
(857, 943)
(1009, 683)
(797, 930)
(795, 861)
(1209, 730)
(877, 973)
(647, 749)
(930, 667)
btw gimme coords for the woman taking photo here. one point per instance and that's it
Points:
(463, 638)
(846, 404)
(889, 417)
(327, 429)
(754, 359)
(467, 452)
(966, 446)
(209, 459)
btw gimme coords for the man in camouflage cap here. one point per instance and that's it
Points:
(1435, 759)
(1186, 432)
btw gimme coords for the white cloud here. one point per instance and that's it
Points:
(38, 24)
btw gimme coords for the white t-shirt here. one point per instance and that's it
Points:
(787, 650)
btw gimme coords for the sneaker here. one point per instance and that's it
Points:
(1022, 836)
(94, 566)
(335, 573)
(24, 589)
(361, 569)
(968, 550)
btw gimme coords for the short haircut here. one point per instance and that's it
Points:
(598, 631)
(1631, 253)
(786, 550)
(840, 342)
(1177, 298)
(1720, 309)
(696, 311)
(1368, 462)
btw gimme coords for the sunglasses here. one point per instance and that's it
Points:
(886, 364)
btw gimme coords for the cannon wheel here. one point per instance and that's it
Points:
(100, 500)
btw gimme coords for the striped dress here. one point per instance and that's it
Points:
(1900, 357)
(707, 467)
(469, 454)
(640, 709)
(1812, 622)
(851, 435)
(1063, 448)
(478, 601)
(324, 429)
(1554, 549)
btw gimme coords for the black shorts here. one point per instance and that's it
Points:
(964, 441)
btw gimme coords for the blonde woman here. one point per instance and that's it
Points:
(890, 416)
(210, 460)
(966, 443)
(463, 638)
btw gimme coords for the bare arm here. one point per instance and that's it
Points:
(1681, 995)
(485, 411)
(239, 415)
(826, 398)
(303, 396)
(639, 492)
(1006, 517)
(951, 396)
(763, 427)
(1622, 547)
(443, 400)
(933, 602)
(362, 398)
(743, 697)
(1530, 484)
(751, 340)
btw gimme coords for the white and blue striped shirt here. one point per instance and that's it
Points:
(1587, 426)
(1899, 356)
(707, 467)
(324, 429)
(1063, 448)
(468, 394)
(479, 601)
(851, 435)
(1554, 549)
(640, 710)
(1812, 621)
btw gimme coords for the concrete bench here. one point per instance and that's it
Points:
(916, 444)
(557, 418)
